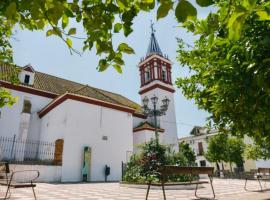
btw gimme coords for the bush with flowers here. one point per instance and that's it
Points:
(144, 167)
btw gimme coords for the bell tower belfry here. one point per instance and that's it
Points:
(156, 80)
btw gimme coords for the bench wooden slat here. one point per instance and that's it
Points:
(264, 170)
(181, 183)
(203, 170)
(171, 169)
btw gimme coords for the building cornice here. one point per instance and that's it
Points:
(139, 115)
(27, 89)
(153, 56)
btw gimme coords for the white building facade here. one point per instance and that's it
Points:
(198, 143)
(71, 116)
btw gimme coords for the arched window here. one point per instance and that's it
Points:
(164, 73)
(58, 151)
(147, 74)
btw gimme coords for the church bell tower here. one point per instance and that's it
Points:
(156, 80)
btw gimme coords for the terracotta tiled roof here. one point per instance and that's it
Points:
(146, 126)
(59, 86)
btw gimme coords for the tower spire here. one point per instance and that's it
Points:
(153, 47)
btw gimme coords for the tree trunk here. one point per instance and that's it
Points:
(218, 169)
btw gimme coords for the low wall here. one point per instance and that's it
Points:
(48, 173)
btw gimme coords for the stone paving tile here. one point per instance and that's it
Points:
(226, 189)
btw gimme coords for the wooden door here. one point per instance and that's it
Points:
(58, 152)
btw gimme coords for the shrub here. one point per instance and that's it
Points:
(145, 166)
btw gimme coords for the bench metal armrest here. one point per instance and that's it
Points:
(23, 171)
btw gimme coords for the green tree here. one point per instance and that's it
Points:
(217, 147)
(185, 149)
(101, 20)
(230, 72)
(222, 148)
(235, 152)
(256, 151)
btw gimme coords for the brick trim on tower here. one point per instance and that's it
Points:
(156, 86)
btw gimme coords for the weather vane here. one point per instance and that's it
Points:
(152, 27)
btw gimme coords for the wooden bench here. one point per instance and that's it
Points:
(7, 179)
(261, 174)
(190, 171)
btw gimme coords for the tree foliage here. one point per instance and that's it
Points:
(230, 71)
(6, 98)
(222, 148)
(185, 149)
(102, 20)
(217, 146)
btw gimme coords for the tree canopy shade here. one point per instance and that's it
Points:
(230, 72)
(103, 19)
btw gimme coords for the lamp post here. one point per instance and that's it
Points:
(155, 112)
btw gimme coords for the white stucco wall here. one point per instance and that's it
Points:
(10, 116)
(168, 121)
(81, 124)
(47, 173)
(143, 136)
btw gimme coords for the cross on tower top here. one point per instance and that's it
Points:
(153, 47)
(152, 27)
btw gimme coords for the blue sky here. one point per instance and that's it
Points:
(50, 55)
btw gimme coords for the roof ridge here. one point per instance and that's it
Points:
(83, 85)
(73, 87)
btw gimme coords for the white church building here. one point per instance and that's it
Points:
(73, 116)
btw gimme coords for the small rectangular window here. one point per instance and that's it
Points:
(104, 137)
(26, 79)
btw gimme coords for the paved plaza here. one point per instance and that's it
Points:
(224, 188)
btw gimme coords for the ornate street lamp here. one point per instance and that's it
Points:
(155, 112)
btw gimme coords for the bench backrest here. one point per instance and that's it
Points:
(263, 170)
(4, 167)
(170, 169)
